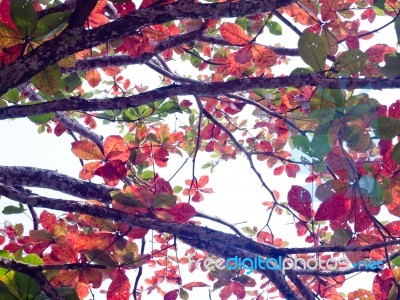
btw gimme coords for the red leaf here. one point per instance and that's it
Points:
(291, 170)
(300, 200)
(124, 8)
(48, 220)
(279, 170)
(382, 284)
(5, 15)
(115, 148)
(189, 286)
(234, 34)
(163, 186)
(182, 212)
(244, 55)
(198, 197)
(352, 42)
(333, 208)
(377, 52)
(112, 172)
(161, 156)
(120, 286)
(171, 295)
(59, 129)
(64, 252)
(232, 288)
(394, 110)
(203, 181)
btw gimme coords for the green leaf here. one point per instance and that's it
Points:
(356, 138)
(164, 200)
(322, 141)
(372, 188)
(323, 105)
(169, 107)
(12, 96)
(301, 71)
(386, 128)
(360, 105)
(242, 22)
(177, 189)
(340, 237)
(195, 60)
(397, 28)
(5, 292)
(71, 82)
(24, 16)
(50, 24)
(126, 199)
(302, 143)
(313, 50)
(351, 62)
(396, 153)
(33, 259)
(147, 175)
(12, 210)
(27, 287)
(396, 261)
(49, 80)
(392, 65)
(274, 28)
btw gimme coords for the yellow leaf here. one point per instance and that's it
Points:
(8, 36)
(48, 81)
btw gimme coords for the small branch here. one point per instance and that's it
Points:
(35, 218)
(32, 271)
(80, 129)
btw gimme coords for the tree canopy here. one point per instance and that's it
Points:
(287, 85)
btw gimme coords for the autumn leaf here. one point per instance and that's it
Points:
(112, 172)
(87, 150)
(120, 286)
(9, 37)
(234, 34)
(115, 148)
(263, 57)
(300, 200)
(182, 212)
(333, 208)
(93, 77)
(48, 220)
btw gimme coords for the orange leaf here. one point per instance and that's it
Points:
(234, 34)
(97, 19)
(64, 252)
(93, 77)
(263, 56)
(82, 290)
(48, 220)
(88, 170)
(93, 240)
(120, 286)
(115, 148)
(87, 150)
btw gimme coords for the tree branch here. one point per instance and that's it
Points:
(35, 177)
(73, 40)
(199, 89)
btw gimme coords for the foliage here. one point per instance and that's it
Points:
(218, 90)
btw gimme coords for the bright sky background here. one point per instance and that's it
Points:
(238, 193)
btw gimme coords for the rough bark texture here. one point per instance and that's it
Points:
(76, 39)
(199, 89)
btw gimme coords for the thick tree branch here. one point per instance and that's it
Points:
(221, 244)
(76, 39)
(35, 177)
(199, 89)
